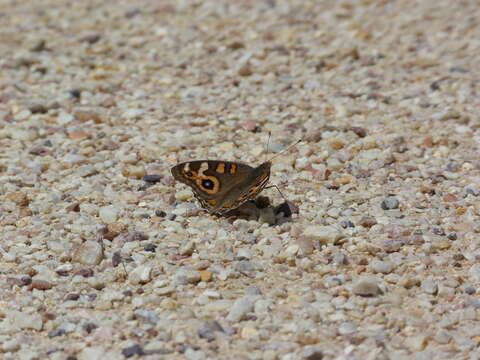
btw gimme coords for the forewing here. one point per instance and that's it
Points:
(223, 175)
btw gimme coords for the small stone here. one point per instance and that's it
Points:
(84, 114)
(366, 286)
(208, 329)
(187, 249)
(286, 208)
(245, 70)
(244, 254)
(15, 320)
(38, 46)
(306, 245)
(165, 291)
(92, 353)
(240, 309)
(367, 221)
(312, 353)
(150, 248)
(136, 171)
(359, 131)
(323, 234)
(205, 275)
(416, 342)
(40, 285)
(140, 275)
(186, 276)
(87, 170)
(390, 203)
(19, 280)
(248, 332)
(347, 328)
(11, 346)
(109, 214)
(152, 178)
(253, 291)
(183, 195)
(146, 315)
(382, 267)
(133, 350)
(18, 198)
(250, 125)
(429, 287)
(88, 253)
(91, 38)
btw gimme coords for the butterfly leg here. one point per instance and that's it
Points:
(276, 187)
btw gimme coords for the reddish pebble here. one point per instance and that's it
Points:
(40, 285)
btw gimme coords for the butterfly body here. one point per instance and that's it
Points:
(221, 186)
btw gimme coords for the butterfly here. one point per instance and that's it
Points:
(222, 186)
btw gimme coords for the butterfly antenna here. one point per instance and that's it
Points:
(268, 143)
(286, 149)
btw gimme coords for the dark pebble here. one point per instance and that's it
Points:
(38, 109)
(133, 350)
(91, 297)
(116, 258)
(435, 85)
(347, 224)
(453, 167)
(75, 93)
(470, 290)
(390, 203)
(473, 191)
(359, 131)
(56, 332)
(312, 354)
(152, 178)
(452, 236)
(19, 281)
(208, 329)
(91, 38)
(72, 297)
(160, 213)
(368, 221)
(89, 327)
(150, 248)
(288, 208)
(86, 273)
(40, 45)
(131, 13)
(438, 231)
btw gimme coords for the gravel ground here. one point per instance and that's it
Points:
(99, 262)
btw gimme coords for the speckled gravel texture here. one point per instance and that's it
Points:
(99, 262)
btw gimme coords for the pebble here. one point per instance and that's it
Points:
(390, 203)
(366, 286)
(109, 214)
(140, 275)
(382, 267)
(88, 253)
(347, 328)
(429, 287)
(323, 234)
(208, 329)
(240, 308)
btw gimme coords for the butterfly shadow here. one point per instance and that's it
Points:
(263, 211)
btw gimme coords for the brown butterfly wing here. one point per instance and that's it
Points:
(213, 181)
(248, 189)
